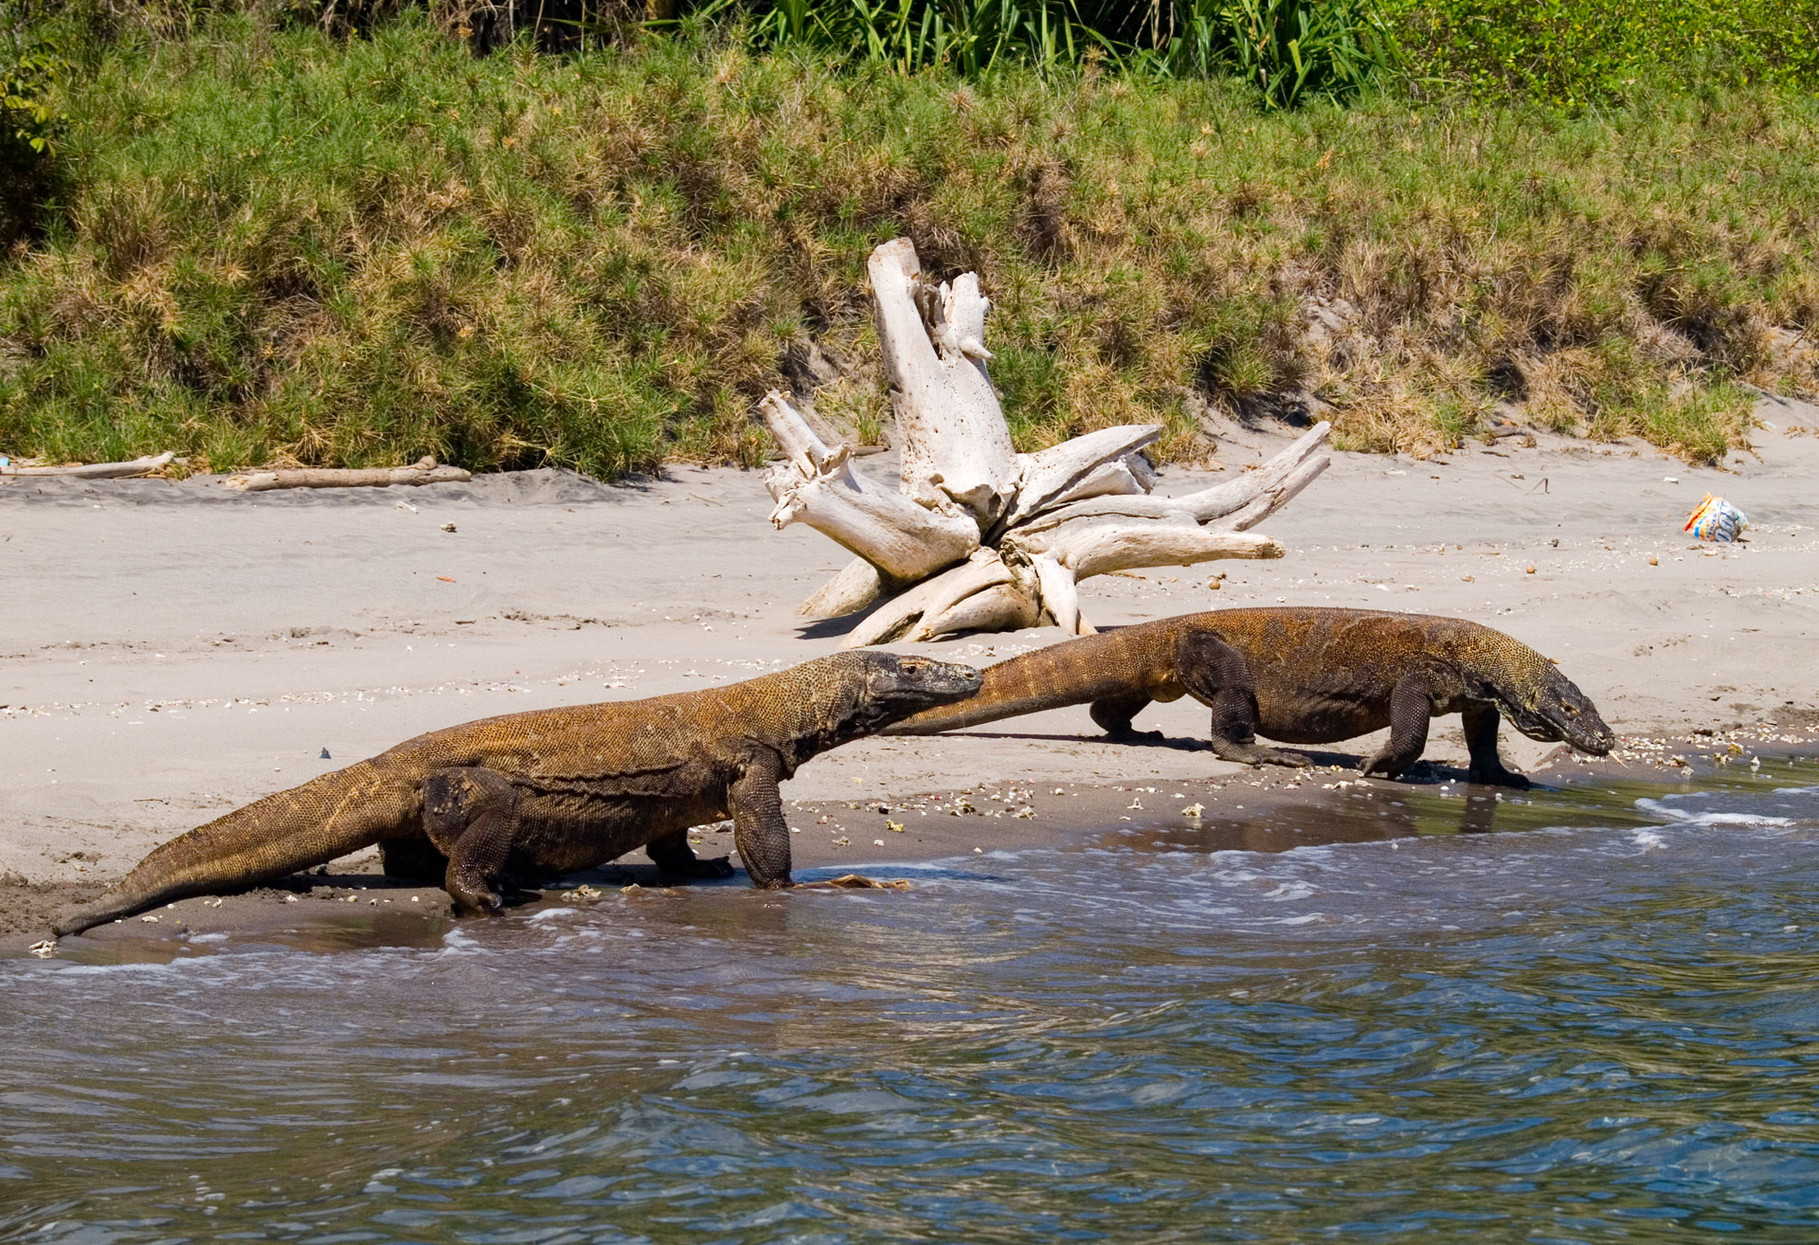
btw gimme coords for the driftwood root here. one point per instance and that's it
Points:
(975, 536)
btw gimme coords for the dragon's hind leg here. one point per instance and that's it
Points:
(1410, 708)
(1217, 675)
(471, 814)
(1114, 714)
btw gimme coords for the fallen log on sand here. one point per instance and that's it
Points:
(423, 471)
(96, 471)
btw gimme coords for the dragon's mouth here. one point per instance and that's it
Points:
(1596, 744)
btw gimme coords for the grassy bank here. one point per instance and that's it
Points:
(267, 244)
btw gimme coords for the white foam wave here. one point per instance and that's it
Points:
(459, 942)
(169, 969)
(1680, 817)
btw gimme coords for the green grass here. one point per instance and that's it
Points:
(270, 245)
(1575, 53)
(1289, 51)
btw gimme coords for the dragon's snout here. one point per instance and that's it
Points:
(942, 678)
(1579, 722)
(911, 682)
(1592, 736)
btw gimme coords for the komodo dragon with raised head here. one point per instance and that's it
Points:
(1303, 676)
(552, 791)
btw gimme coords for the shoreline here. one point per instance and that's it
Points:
(350, 903)
(172, 650)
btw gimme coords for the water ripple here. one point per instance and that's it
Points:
(1602, 1027)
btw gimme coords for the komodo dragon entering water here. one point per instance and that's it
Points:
(1299, 675)
(555, 790)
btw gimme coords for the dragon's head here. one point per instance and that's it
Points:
(897, 685)
(1544, 704)
(851, 695)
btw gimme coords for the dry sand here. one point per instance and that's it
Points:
(174, 650)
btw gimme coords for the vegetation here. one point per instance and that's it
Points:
(268, 242)
(30, 70)
(1571, 53)
(1290, 50)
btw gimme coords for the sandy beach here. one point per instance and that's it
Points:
(175, 649)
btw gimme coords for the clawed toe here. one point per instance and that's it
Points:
(475, 900)
(1256, 754)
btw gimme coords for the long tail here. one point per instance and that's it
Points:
(308, 825)
(1075, 672)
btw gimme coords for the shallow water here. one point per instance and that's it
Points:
(1599, 1022)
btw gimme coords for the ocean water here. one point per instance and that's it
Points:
(1589, 1014)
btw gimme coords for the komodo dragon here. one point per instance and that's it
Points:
(1299, 675)
(555, 790)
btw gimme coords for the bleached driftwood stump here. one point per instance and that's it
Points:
(978, 537)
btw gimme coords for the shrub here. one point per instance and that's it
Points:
(1570, 53)
(31, 73)
(1290, 50)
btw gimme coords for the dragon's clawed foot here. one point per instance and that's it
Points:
(473, 899)
(1126, 735)
(1257, 754)
(1383, 764)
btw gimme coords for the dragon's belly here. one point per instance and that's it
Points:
(1301, 715)
(561, 832)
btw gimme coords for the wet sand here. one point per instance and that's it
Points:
(174, 650)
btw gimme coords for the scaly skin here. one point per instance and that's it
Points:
(1299, 675)
(555, 790)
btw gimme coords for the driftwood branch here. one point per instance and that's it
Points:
(1098, 548)
(423, 471)
(930, 599)
(903, 540)
(97, 471)
(956, 444)
(1076, 469)
(976, 536)
(1277, 480)
(1060, 594)
(858, 584)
